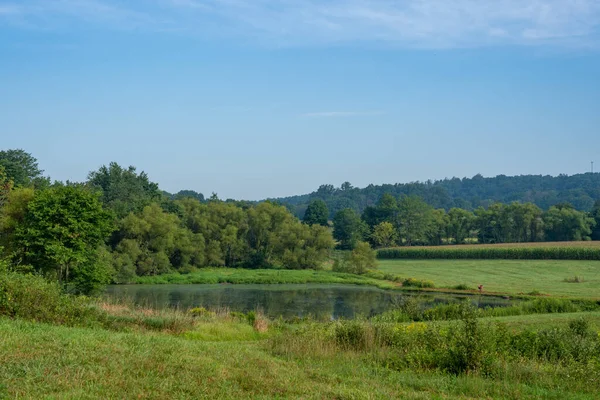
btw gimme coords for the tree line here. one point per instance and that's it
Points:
(409, 220)
(118, 225)
(580, 190)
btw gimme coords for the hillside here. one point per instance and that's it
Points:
(581, 190)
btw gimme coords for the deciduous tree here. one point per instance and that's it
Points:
(20, 167)
(384, 235)
(316, 213)
(564, 223)
(414, 219)
(460, 223)
(124, 190)
(60, 235)
(348, 228)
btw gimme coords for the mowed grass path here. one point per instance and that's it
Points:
(505, 276)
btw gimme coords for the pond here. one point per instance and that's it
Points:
(323, 301)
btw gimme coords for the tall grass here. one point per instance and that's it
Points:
(410, 310)
(466, 348)
(485, 252)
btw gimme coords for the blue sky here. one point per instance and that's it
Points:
(255, 99)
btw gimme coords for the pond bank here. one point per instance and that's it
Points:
(240, 276)
(319, 301)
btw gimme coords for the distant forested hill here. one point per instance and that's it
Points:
(580, 190)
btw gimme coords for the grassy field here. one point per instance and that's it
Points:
(45, 361)
(505, 276)
(262, 276)
(116, 350)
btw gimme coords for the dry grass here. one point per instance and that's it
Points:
(261, 325)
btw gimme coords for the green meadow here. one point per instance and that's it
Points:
(43, 361)
(565, 278)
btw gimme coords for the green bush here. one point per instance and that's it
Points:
(470, 345)
(419, 283)
(359, 261)
(353, 334)
(33, 298)
(577, 343)
(444, 312)
(462, 286)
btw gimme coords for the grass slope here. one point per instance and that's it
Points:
(505, 276)
(44, 361)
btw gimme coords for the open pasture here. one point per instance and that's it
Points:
(549, 277)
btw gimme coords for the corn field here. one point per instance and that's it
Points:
(488, 252)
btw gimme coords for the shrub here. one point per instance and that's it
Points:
(462, 286)
(469, 348)
(353, 334)
(444, 312)
(575, 279)
(359, 261)
(33, 298)
(412, 282)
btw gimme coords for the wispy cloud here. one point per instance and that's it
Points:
(9, 9)
(403, 23)
(337, 114)
(75, 14)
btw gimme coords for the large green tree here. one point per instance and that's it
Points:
(123, 190)
(348, 228)
(20, 167)
(316, 213)
(154, 242)
(384, 235)
(385, 210)
(526, 223)
(414, 220)
(564, 223)
(61, 233)
(437, 230)
(223, 227)
(460, 224)
(490, 223)
(276, 237)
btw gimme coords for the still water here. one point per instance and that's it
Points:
(288, 301)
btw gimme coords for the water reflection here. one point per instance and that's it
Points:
(287, 301)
